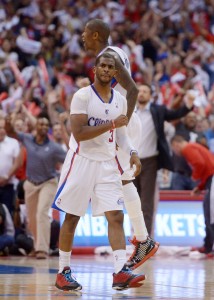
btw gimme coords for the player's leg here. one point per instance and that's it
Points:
(116, 238)
(133, 207)
(107, 200)
(65, 280)
(72, 197)
(123, 277)
(145, 246)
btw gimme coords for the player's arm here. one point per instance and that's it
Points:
(123, 141)
(125, 80)
(83, 132)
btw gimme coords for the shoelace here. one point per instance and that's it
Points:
(136, 251)
(139, 253)
(127, 270)
(69, 277)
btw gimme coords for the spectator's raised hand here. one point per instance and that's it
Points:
(63, 117)
(18, 106)
(131, 44)
(189, 99)
(35, 83)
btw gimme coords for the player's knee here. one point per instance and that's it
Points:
(115, 217)
(71, 220)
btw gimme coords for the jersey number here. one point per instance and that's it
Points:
(111, 137)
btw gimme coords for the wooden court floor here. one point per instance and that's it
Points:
(23, 278)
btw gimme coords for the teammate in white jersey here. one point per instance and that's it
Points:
(95, 38)
(90, 171)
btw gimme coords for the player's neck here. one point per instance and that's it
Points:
(100, 48)
(103, 90)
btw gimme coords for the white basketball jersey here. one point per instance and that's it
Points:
(134, 126)
(87, 101)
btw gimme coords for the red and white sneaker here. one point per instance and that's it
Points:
(143, 251)
(199, 249)
(125, 279)
(210, 255)
(66, 281)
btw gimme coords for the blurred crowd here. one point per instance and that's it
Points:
(170, 44)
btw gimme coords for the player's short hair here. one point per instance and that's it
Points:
(105, 55)
(177, 138)
(97, 25)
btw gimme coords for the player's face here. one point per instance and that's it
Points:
(87, 38)
(105, 70)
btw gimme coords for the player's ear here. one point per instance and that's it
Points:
(115, 73)
(94, 69)
(95, 35)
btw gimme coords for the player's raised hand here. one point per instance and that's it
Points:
(135, 161)
(120, 121)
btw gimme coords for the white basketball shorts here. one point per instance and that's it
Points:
(83, 179)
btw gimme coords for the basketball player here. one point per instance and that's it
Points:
(95, 38)
(90, 171)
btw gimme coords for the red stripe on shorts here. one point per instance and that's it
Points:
(69, 171)
(78, 148)
(119, 166)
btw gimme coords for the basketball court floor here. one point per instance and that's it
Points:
(23, 278)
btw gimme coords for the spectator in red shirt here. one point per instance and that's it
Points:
(201, 160)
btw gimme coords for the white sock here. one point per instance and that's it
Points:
(64, 260)
(119, 259)
(133, 207)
